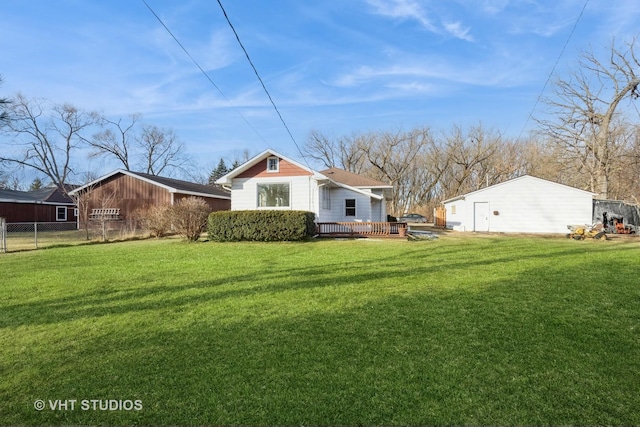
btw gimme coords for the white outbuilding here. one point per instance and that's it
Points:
(522, 205)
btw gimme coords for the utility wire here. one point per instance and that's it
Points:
(202, 70)
(553, 69)
(261, 82)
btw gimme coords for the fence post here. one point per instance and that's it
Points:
(35, 233)
(3, 235)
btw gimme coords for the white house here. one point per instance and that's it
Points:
(273, 181)
(526, 204)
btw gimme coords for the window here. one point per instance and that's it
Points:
(325, 198)
(350, 207)
(453, 209)
(61, 213)
(273, 195)
(273, 164)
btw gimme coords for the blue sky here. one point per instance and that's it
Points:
(335, 66)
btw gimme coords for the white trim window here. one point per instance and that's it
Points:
(61, 213)
(350, 207)
(325, 197)
(273, 164)
(274, 195)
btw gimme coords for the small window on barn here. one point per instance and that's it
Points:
(61, 213)
(273, 164)
(453, 209)
(350, 207)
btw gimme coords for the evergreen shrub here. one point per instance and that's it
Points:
(259, 225)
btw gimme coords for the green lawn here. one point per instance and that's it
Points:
(474, 330)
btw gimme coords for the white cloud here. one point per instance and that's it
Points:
(493, 7)
(455, 29)
(413, 10)
(413, 88)
(402, 9)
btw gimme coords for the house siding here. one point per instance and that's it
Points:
(127, 194)
(525, 204)
(213, 203)
(337, 211)
(303, 192)
(34, 212)
(286, 169)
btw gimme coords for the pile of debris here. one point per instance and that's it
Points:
(616, 216)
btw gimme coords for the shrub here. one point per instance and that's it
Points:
(268, 225)
(155, 219)
(189, 217)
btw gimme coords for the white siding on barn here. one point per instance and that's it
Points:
(526, 204)
(456, 212)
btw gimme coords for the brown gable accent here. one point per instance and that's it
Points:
(259, 170)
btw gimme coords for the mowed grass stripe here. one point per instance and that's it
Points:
(487, 330)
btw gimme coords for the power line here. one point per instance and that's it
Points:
(202, 70)
(260, 80)
(553, 69)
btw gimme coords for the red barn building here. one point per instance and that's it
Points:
(126, 192)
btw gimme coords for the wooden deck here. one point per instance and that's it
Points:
(361, 229)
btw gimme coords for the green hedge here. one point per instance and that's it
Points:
(263, 226)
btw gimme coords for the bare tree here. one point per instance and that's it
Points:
(4, 108)
(624, 172)
(345, 152)
(115, 140)
(394, 157)
(162, 150)
(99, 198)
(584, 110)
(143, 147)
(470, 156)
(45, 138)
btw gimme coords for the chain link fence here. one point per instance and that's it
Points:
(21, 236)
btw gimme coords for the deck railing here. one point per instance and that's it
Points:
(353, 229)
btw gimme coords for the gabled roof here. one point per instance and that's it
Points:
(52, 194)
(16, 196)
(226, 179)
(47, 195)
(170, 184)
(352, 179)
(523, 177)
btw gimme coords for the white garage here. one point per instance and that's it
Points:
(522, 205)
